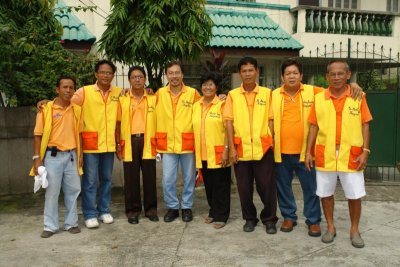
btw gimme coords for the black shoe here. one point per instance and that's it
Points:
(153, 218)
(133, 220)
(270, 228)
(46, 234)
(171, 215)
(187, 215)
(249, 226)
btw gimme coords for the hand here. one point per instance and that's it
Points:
(222, 97)
(118, 153)
(81, 160)
(233, 155)
(149, 91)
(41, 104)
(356, 91)
(124, 92)
(362, 160)
(225, 158)
(308, 161)
(36, 164)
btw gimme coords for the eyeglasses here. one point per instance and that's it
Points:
(107, 73)
(336, 74)
(140, 77)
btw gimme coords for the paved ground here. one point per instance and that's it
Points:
(198, 244)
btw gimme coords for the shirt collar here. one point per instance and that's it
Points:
(96, 87)
(255, 90)
(144, 93)
(282, 90)
(183, 90)
(214, 101)
(329, 95)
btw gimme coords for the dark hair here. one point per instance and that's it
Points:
(337, 61)
(215, 77)
(247, 60)
(102, 62)
(291, 62)
(139, 68)
(172, 63)
(65, 77)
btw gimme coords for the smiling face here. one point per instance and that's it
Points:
(66, 89)
(209, 89)
(104, 75)
(337, 76)
(292, 77)
(174, 76)
(248, 73)
(137, 80)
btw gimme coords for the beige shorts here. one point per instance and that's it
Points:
(352, 183)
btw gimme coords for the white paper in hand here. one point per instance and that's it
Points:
(40, 179)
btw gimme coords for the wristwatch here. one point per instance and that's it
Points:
(35, 157)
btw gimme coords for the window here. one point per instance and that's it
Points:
(343, 4)
(392, 6)
(308, 2)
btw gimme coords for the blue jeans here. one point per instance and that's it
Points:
(308, 182)
(170, 173)
(61, 172)
(96, 166)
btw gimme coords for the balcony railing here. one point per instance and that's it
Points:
(341, 21)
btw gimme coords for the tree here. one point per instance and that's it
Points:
(152, 33)
(31, 53)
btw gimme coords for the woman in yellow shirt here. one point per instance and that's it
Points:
(211, 150)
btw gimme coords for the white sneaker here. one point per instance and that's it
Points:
(92, 223)
(106, 218)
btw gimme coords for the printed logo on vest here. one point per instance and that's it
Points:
(354, 111)
(261, 102)
(307, 103)
(186, 103)
(213, 114)
(114, 98)
(150, 109)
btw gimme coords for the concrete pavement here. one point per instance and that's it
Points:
(196, 243)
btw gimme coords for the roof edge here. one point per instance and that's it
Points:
(248, 4)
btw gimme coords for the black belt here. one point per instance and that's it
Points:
(54, 148)
(138, 135)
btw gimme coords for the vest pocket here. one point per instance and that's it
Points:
(187, 141)
(237, 141)
(219, 150)
(266, 142)
(161, 141)
(89, 140)
(319, 156)
(355, 152)
(153, 143)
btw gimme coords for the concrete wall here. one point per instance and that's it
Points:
(16, 150)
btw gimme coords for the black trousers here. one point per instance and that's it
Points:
(133, 202)
(218, 190)
(262, 171)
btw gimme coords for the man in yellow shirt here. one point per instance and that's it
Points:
(175, 140)
(246, 114)
(56, 146)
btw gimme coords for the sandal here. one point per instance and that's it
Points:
(208, 220)
(218, 225)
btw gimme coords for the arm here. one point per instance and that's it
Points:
(312, 136)
(41, 104)
(232, 151)
(225, 154)
(81, 152)
(118, 151)
(363, 158)
(36, 151)
(271, 128)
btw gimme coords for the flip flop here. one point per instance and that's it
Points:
(208, 220)
(218, 225)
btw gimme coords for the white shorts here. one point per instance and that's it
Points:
(352, 184)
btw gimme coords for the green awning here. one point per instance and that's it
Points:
(248, 29)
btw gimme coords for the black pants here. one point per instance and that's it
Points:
(262, 171)
(133, 202)
(218, 190)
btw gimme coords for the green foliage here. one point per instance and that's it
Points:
(31, 53)
(152, 32)
(321, 81)
(370, 80)
(220, 66)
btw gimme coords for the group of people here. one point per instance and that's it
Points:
(266, 135)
